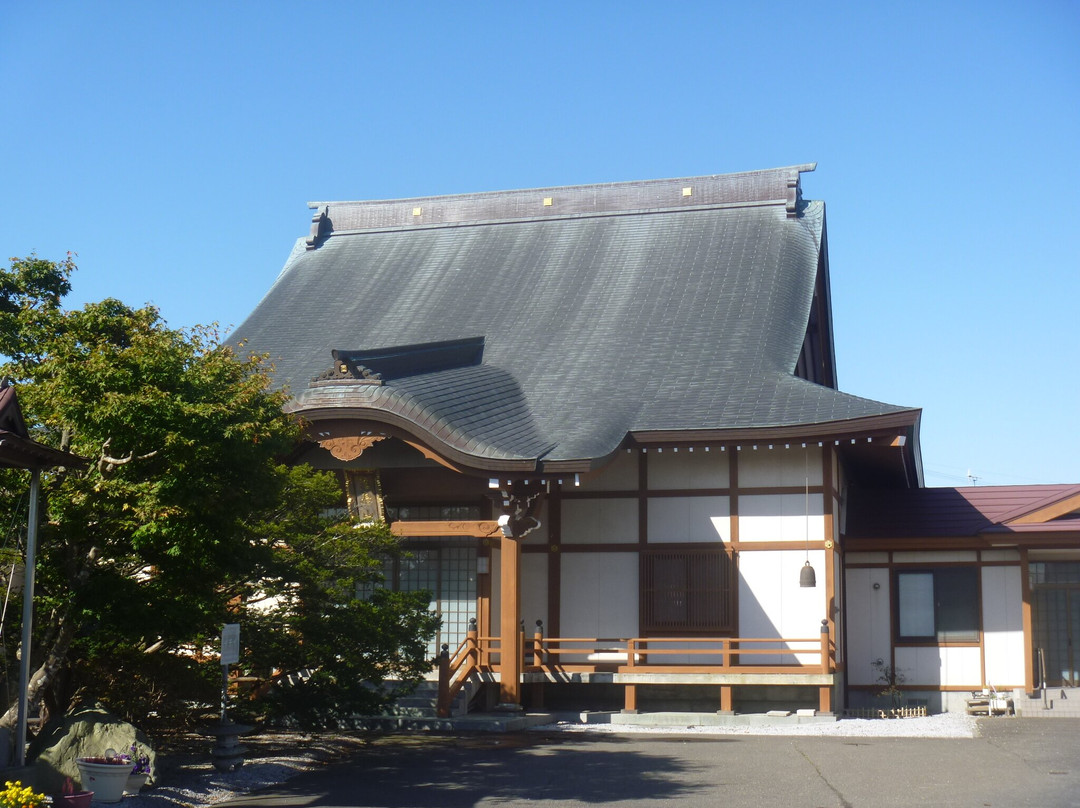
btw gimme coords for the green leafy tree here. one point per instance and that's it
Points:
(184, 515)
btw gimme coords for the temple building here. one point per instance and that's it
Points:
(605, 421)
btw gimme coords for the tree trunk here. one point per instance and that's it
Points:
(43, 677)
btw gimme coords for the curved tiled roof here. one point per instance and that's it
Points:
(604, 310)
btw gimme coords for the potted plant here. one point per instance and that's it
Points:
(106, 776)
(16, 795)
(140, 769)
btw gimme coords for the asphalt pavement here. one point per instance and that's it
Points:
(1014, 762)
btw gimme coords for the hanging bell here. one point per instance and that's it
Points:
(807, 577)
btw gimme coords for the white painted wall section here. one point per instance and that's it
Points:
(534, 591)
(772, 604)
(599, 595)
(781, 517)
(1003, 626)
(689, 519)
(956, 666)
(684, 469)
(867, 624)
(767, 468)
(599, 521)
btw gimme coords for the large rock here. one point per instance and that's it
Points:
(87, 731)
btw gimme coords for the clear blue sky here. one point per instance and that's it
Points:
(174, 147)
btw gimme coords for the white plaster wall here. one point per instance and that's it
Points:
(934, 557)
(696, 519)
(868, 633)
(599, 595)
(596, 521)
(867, 558)
(780, 517)
(619, 475)
(1003, 626)
(778, 466)
(1000, 555)
(688, 469)
(933, 665)
(534, 591)
(772, 604)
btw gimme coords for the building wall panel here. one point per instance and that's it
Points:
(772, 604)
(599, 595)
(689, 519)
(1003, 626)
(768, 468)
(685, 470)
(780, 517)
(868, 632)
(934, 556)
(957, 666)
(599, 521)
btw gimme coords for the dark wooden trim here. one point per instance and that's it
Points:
(733, 544)
(863, 565)
(689, 493)
(643, 500)
(554, 548)
(831, 431)
(635, 547)
(931, 688)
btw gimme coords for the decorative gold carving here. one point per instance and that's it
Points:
(351, 447)
(364, 494)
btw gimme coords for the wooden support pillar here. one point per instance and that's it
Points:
(726, 702)
(510, 624)
(630, 699)
(1028, 623)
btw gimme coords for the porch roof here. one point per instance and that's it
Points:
(963, 512)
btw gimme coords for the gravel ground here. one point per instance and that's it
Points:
(186, 777)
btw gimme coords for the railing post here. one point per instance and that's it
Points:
(474, 645)
(825, 691)
(538, 643)
(442, 707)
(825, 646)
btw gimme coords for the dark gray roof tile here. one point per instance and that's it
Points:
(598, 320)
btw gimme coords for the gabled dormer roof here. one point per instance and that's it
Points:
(661, 308)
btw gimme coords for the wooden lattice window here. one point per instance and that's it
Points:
(686, 591)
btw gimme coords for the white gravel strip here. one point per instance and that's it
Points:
(944, 725)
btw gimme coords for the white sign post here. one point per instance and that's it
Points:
(230, 655)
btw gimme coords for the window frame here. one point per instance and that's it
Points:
(708, 610)
(956, 612)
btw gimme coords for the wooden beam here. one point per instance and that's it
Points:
(480, 529)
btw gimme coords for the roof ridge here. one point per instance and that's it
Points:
(768, 186)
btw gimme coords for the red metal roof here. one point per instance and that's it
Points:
(932, 512)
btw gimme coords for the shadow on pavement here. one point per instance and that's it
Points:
(455, 772)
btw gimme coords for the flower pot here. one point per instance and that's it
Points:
(106, 780)
(80, 799)
(134, 783)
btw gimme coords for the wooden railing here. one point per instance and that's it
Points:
(478, 654)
